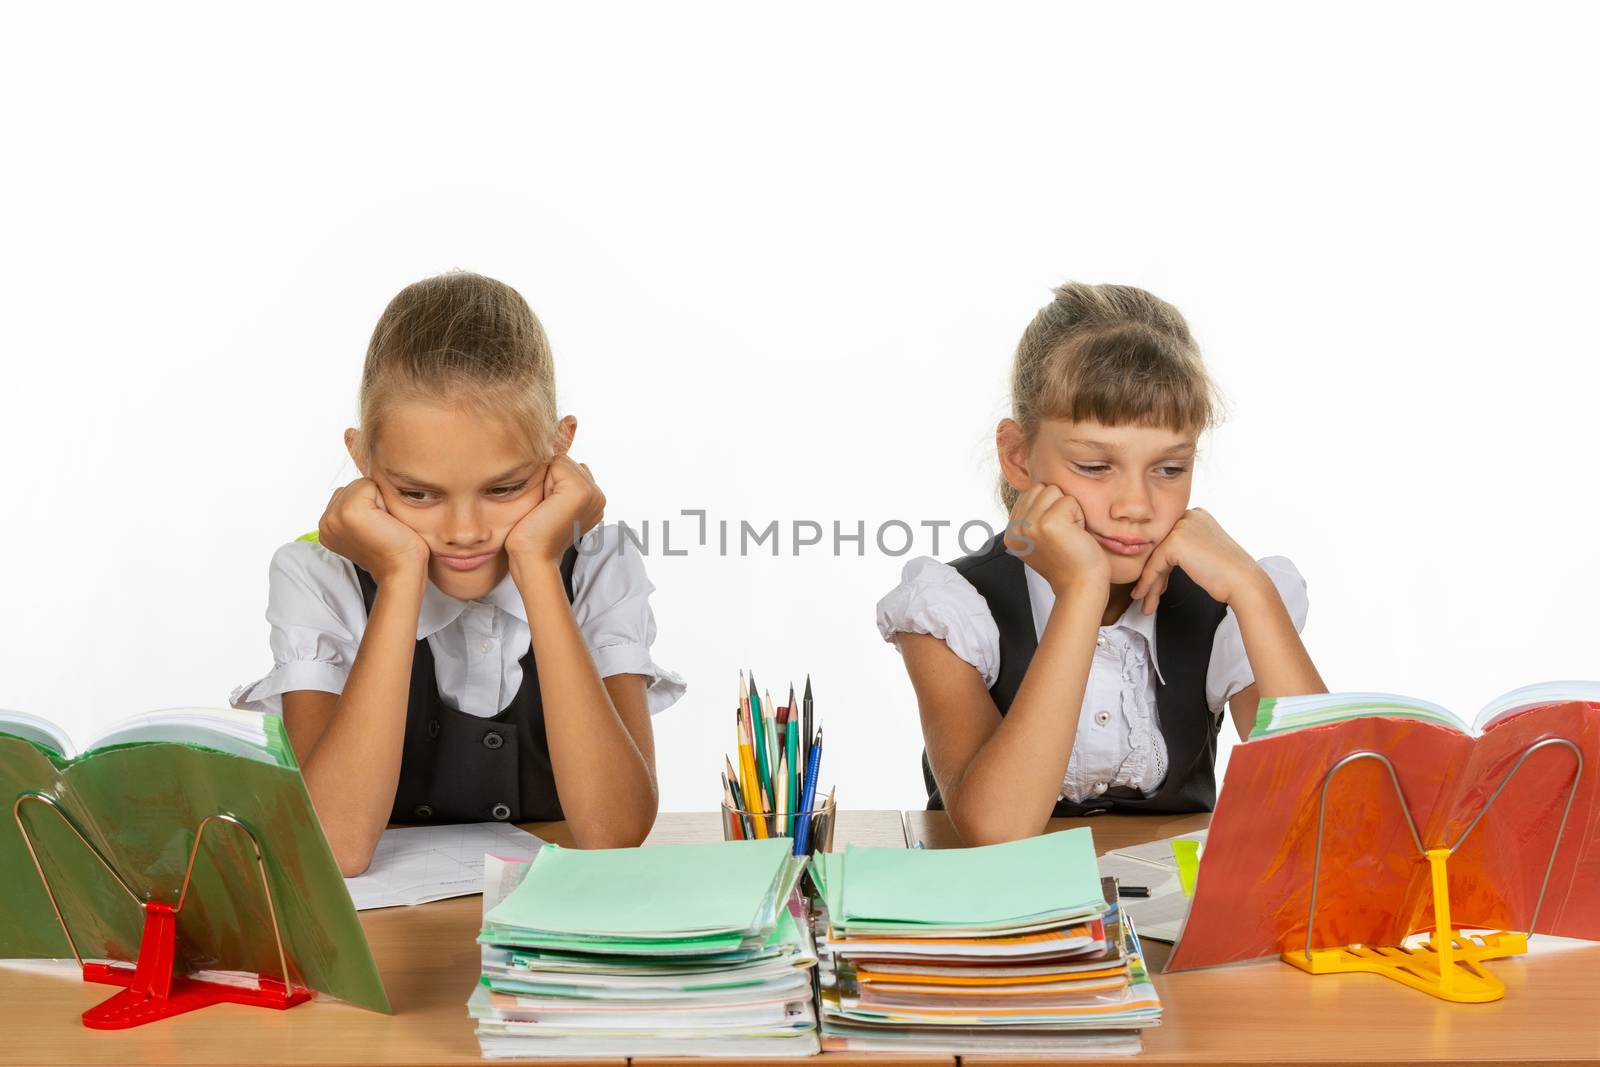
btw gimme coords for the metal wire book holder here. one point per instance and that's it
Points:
(1449, 964)
(153, 991)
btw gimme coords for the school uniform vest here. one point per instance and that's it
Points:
(1186, 621)
(460, 767)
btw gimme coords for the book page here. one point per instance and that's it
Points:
(1320, 709)
(416, 864)
(238, 733)
(1533, 696)
(37, 731)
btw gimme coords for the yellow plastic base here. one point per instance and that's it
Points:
(1449, 969)
(1463, 981)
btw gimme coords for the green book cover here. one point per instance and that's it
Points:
(1051, 875)
(691, 892)
(138, 796)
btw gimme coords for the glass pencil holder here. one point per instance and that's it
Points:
(741, 825)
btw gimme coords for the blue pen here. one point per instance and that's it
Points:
(808, 796)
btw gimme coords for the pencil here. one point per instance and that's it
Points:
(738, 794)
(783, 795)
(738, 798)
(794, 717)
(741, 749)
(807, 797)
(805, 719)
(791, 743)
(827, 806)
(769, 731)
(752, 793)
(758, 737)
(735, 831)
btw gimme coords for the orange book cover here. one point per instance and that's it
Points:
(1254, 888)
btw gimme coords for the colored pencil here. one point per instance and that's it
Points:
(769, 730)
(752, 793)
(783, 795)
(758, 737)
(808, 794)
(791, 739)
(735, 827)
(738, 794)
(805, 719)
(781, 789)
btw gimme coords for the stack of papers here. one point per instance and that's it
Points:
(1011, 948)
(673, 950)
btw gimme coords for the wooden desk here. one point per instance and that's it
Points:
(1268, 1012)
(427, 955)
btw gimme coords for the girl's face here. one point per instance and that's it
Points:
(1132, 482)
(461, 481)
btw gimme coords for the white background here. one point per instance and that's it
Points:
(783, 256)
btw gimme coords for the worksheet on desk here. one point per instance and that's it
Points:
(416, 864)
(1152, 866)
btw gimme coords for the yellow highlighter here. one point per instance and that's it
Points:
(1187, 853)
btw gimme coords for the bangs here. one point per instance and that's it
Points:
(1125, 375)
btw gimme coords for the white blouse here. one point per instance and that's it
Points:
(317, 615)
(1119, 742)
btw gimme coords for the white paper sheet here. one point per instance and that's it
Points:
(416, 864)
(1159, 916)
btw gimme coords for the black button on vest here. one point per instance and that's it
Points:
(460, 767)
(1186, 621)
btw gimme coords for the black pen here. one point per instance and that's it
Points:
(1133, 890)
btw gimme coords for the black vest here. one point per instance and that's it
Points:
(460, 767)
(1186, 621)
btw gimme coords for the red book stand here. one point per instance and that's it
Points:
(153, 990)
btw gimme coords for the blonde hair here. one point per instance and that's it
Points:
(1111, 354)
(460, 338)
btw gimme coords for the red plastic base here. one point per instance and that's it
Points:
(154, 992)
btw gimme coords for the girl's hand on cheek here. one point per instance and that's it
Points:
(572, 506)
(1048, 532)
(1205, 552)
(357, 525)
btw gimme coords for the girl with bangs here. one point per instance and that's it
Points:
(1082, 660)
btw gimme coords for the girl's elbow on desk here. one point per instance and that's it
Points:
(612, 836)
(972, 837)
(990, 828)
(620, 829)
(352, 859)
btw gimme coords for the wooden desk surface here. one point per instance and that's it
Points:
(428, 958)
(1264, 1012)
(1268, 1012)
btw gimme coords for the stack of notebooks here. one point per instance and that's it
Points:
(1013, 948)
(673, 950)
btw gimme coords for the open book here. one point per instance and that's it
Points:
(138, 794)
(1253, 897)
(1297, 713)
(238, 733)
